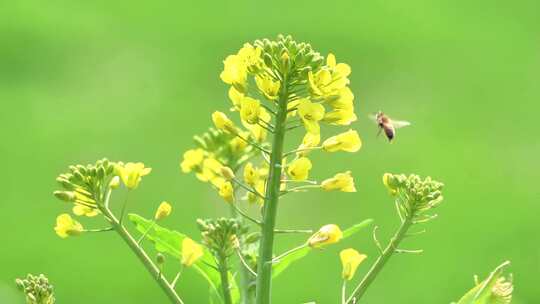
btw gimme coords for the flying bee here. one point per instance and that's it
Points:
(388, 125)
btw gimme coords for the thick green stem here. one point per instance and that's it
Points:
(381, 261)
(143, 257)
(225, 286)
(264, 267)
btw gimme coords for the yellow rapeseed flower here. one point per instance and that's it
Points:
(350, 259)
(226, 191)
(235, 97)
(251, 174)
(327, 234)
(163, 211)
(131, 173)
(67, 226)
(257, 132)
(341, 181)
(319, 82)
(310, 113)
(234, 72)
(343, 117)
(267, 86)
(250, 56)
(191, 252)
(340, 72)
(192, 159)
(310, 140)
(299, 169)
(250, 109)
(222, 122)
(81, 210)
(348, 141)
(211, 169)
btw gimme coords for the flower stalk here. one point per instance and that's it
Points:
(264, 267)
(390, 249)
(167, 288)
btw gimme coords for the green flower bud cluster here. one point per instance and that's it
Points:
(221, 235)
(287, 56)
(414, 195)
(227, 148)
(85, 184)
(37, 289)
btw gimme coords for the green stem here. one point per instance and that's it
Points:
(143, 257)
(224, 273)
(264, 267)
(246, 278)
(359, 291)
(286, 253)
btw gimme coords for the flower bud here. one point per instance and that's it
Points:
(163, 211)
(114, 183)
(328, 234)
(227, 173)
(222, 122)
(66, 196)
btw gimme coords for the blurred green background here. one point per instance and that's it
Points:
(133, 81)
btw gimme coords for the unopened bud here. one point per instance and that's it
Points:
(115, 183)
(66, 196)
(227, 173)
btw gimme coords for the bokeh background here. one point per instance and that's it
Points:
(133, 81)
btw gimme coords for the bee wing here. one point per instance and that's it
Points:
(373, 117)
(400, 123)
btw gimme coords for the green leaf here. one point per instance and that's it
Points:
(170, 242)
(286, 261)
(482, 292)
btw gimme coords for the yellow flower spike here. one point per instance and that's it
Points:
(350, 259)
(327, 234)
(192, 159)
(222, 122)
(310, 141)
(234, 72)
(82, 210)
(310, 113)
(348, 141)
(251, 174)
(341, 181)
(250, 110)
(132, 173)
(267, 86)
(191, 252)
(226, 191)
(67, 226)
(235, 97)
(299, 169)
(163, 211)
